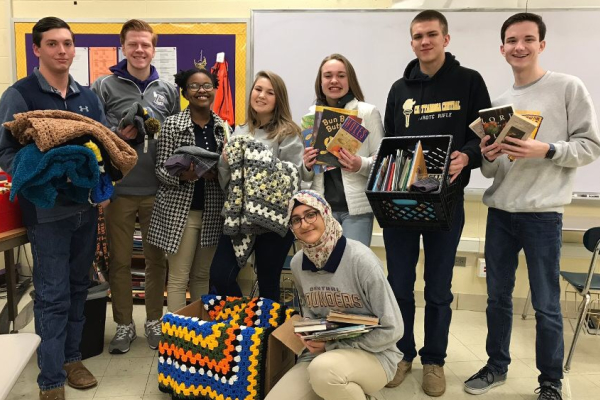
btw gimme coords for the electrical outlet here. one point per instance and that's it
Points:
(460, 262)
(481, 267)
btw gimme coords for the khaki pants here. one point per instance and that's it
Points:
(343, 374)
(190, 263)
(120, 224)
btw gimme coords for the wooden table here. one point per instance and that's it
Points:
(8, 241)
(16, 352)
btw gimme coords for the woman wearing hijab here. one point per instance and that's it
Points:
(336, 273)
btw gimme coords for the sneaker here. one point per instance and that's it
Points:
(483, 381)
(434, 380)
(153, 332)
(547, 391)
(404, 368)
(122, 341)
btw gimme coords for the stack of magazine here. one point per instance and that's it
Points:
(336, 326)
(329, 130)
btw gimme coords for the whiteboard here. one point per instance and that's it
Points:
(377, 43)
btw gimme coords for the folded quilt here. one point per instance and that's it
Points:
(220, 359)
(39, 177)
(180, 161)
(51, 128)
(260, 189)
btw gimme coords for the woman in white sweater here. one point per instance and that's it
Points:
(344, 188)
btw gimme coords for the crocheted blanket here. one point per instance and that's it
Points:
(219, 359)
(39, 177)
(260, 190)
(50, 128)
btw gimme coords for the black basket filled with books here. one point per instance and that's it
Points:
(409, 186)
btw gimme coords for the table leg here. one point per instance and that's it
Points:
(11, 287)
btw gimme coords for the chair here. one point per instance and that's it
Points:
(584, 284)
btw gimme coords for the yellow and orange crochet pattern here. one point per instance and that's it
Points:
(222, 359)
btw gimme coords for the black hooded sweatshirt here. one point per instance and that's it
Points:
(444, 104)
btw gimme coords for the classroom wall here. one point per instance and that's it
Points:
(469, 289)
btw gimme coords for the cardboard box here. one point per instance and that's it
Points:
(279, 359)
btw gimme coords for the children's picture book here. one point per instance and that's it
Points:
(307, 126)
(418, 169)
(494, 119)
(519, 127)
(350, 137)
(330, 123)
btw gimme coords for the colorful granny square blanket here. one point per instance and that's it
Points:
(222, 359)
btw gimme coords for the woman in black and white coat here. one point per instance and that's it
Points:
(186, 220)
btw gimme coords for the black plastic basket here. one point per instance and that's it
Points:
(419, 211)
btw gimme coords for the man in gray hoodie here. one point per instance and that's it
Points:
(133, 80)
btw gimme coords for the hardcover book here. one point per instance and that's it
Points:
(361, 319)
(495, 119)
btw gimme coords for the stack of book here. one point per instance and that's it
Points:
(336, 326)
(397, 172)
(502, 121)
(331, 129)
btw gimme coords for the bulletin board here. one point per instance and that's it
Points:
(179, 46)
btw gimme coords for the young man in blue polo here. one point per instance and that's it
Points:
(63, 238)
(526, 202)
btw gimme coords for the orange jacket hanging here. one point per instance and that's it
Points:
(223, 105)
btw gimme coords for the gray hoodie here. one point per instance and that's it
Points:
(117, 94)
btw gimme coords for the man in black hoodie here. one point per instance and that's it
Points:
(436, 96)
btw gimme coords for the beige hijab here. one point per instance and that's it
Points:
(319, 251)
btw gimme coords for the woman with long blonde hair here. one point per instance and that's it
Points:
(270, 123)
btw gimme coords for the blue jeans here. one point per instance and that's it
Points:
(402, 254)
(63, 253)
(540, 237)
(357, 227)
(270, 252)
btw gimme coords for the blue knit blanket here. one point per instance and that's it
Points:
(39, 177)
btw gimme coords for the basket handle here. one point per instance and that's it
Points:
(405, 202)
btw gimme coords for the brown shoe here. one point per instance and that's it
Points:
(53, 394)
(403, 368)
(434, 381)
(78, 376)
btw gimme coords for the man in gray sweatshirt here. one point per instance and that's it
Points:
(133, 80)
(526, 202)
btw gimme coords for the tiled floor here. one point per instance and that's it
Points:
(133, 376)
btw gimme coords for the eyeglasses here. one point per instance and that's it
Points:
(309, 218)
(196, 86)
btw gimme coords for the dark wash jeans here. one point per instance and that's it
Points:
(270, 251)
(402, 255)
(540, 237)
(63, 253)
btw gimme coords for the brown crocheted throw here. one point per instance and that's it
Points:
(50, 128)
